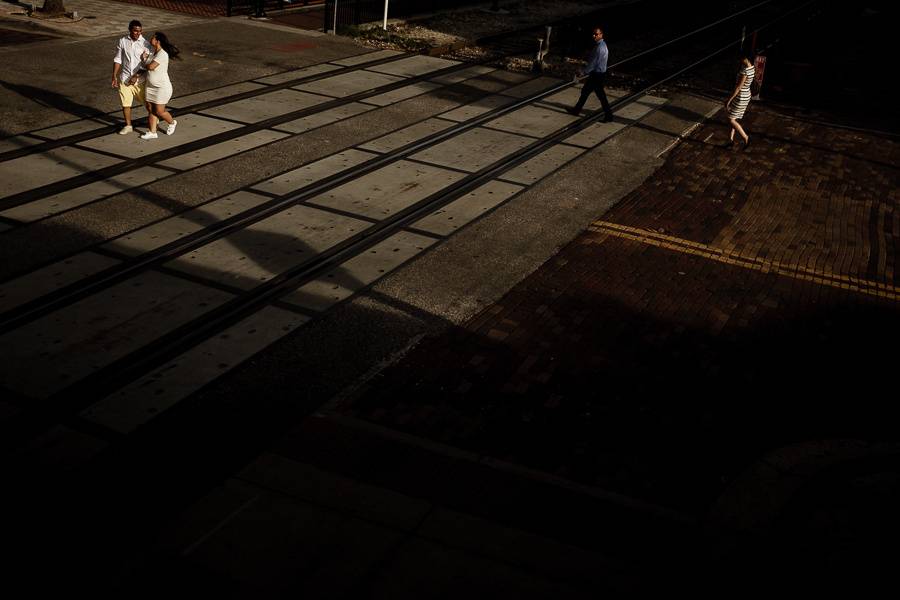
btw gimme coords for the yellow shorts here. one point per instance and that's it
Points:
(127, 93)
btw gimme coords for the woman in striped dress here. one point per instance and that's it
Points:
(737, 102)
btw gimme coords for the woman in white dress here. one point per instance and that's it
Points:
(159, 87)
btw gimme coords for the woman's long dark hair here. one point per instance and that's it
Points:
(170, 48)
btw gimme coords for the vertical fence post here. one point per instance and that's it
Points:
(385, 15)
(334, 30)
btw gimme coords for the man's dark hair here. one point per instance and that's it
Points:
(134, 23)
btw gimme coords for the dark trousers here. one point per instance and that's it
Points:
(594, 83)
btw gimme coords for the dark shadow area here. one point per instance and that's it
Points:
(57, 101)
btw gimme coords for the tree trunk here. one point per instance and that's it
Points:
(53, 8)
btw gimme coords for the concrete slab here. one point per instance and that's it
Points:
(364, 58)
(297, 74)
(594, 134)
(216, 94)
(639, 109)
(168, 230)
(348, 83)
(404, 93)
(388, 190)
(473, 149)
(35, 170)
(358, 272)
(418, 64)
(325, 117)
(54, 352)
(224, 149)
(139, 402)
(532, 171)
(477, 108)
(254, 255)
(407, 135)
(190, 129)
(266, 106)
(538, 84)
(463, 74)
(76, 127)
(18, 141)
(535, 121)
(466, 209)
(38, 283)
(63, 201)
(307, 174)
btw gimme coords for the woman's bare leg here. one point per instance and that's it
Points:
(162, 113)
(737, 127)
(152, 121)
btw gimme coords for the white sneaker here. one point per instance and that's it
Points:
(126, 130)
(171, 128)
(150, 135)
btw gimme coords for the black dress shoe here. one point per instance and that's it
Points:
(573, 111)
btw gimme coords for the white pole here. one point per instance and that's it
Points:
(385, 15)
(334, 30)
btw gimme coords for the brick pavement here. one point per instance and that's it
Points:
(731, 305)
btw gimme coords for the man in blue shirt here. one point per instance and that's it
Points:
(595, 70)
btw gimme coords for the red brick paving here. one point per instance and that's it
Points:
(752, 314)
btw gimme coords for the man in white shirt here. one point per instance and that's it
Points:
(129, 74)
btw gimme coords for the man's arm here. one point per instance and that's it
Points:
(117, 65)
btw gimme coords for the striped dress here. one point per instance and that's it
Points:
(738, 106)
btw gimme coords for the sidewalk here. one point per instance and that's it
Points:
(95, 18)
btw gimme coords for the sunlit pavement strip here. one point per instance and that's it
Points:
(348, 84)
(18, 291)
(533, 121)
(477, 108)
(225, 149)
(414, 65)
(47, 355)
(74, 128)
(260, 108)
(314, 171)
(138, 402)
(407, 135)
(794, 271)
(364, 58)
(190, 129)
(213, 95)
(57, 203)
(463, 75)
(35, 170)
(404, 93)
(473, 150)
(169, 230)
(388, 190)
(297, 74)
(323, 118)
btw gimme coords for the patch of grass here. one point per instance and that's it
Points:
(377, 34)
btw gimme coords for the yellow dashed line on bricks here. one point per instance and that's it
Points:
(644, 236)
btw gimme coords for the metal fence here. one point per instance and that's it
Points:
(356, 12)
